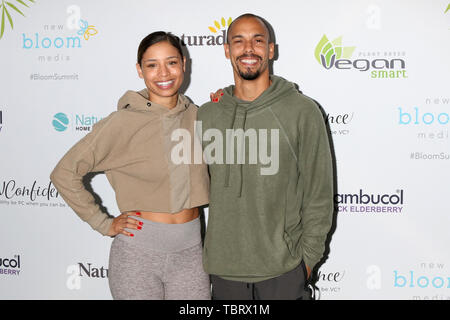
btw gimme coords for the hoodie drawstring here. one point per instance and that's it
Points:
(241, 168)
(227, 169)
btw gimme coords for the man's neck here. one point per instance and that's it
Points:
(249, 90)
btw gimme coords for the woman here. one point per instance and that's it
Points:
(157, 249)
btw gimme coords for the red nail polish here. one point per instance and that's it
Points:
(141, 223)
(221, 94)
(131, 235)
(138, 213)
(216, 99)
(139, 228)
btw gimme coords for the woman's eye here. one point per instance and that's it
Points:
(173, 62)
(152, 65)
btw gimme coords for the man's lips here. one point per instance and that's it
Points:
(249, 61)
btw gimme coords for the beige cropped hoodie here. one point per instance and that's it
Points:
(133, 147)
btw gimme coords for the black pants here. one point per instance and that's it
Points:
(291, 285)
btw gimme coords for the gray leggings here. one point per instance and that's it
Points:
(161, 261)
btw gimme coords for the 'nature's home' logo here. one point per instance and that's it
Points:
(218, 37)
(333, 55)
(4, 7)
(77, 122)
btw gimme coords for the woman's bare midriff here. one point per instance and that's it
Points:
(183, 216)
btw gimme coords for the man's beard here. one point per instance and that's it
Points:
(247, 74)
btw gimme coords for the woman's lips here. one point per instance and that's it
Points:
(164, 85)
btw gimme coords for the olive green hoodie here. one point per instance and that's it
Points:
(261, 224)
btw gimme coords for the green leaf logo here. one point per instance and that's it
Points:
(4, 7)
(448, 8)
(327, 52)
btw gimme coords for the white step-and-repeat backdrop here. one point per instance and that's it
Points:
(379, 68)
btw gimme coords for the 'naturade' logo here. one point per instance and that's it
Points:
(333, 55)
(218, 37)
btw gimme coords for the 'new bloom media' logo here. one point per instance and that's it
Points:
(333, 55)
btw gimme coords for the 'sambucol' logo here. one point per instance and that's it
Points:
(362, 202)
(332, 54)
(218, 37)
(10, 266)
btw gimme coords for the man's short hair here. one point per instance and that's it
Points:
(251, 15)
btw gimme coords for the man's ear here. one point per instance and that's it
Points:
(271, 50)
(226, 47)
(139, 70)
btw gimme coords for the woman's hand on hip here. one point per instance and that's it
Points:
(124, 221)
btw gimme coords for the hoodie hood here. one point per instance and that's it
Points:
(277, 89)
(138, 101)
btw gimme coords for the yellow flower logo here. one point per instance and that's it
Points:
(220, 25)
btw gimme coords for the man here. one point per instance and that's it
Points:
(269, 215)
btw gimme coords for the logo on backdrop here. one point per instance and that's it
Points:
(77, 271)
(217, 36)
(57, 41)
(31, 195)
(339, 122)
(430, 281)
(77, 122)
(9, 9)
(10, 266)
(334, 55)
(369, 203)
(329, 282)
(429, 123)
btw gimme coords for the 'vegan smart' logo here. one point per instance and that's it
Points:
(327, 52)
(333, 55)
(218, 37)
